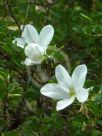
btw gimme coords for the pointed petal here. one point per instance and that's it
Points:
(62, 104)
(54, 91)
(34, 52)
(46, 36)
(19, 41)
(79, 76)
(63, 77)
(82, 95)
(30, 34)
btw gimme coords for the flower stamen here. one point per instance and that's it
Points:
(72, 92)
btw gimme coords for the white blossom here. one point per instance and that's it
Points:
(35, 54)
(68, 87)
(36, 43)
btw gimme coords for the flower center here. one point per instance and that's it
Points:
(72, 92)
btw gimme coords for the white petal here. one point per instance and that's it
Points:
(30, 34)
(79, 76)
(19, 41)
(63, 77)
(29, 62)
(62, 104)
(46, 36)
(82, 95)
(34, 52)
(54, 91)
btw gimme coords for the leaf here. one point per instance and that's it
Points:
(83, 15)
(11, 133)
(13, 28)
(2, 124)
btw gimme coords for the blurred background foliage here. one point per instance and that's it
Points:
(78, 40)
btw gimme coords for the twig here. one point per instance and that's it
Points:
(8, 4)
(6, 56)
(95, 35)
(27, 11)
(26, 16)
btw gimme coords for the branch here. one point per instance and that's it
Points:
(9, 7)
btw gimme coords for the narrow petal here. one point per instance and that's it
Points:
(46, 36)
(62, 104)
(63, 77)
(30, 34)
(82, 95)
(34, 52)
(79, 76)
(29, 62)
(19, 41)
(54, 91)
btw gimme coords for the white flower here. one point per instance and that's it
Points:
(35, 54)
(68, 87)
(36, 43)
(30, 35)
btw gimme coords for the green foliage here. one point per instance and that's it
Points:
(77, 40)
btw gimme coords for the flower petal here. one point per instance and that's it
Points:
(46, 36)
(34, 52)
(82, 94)
(19, 41)
(54, 91)
(63, 77)
(29, 62)
(64, 103)
(79, 76)
(30, 34)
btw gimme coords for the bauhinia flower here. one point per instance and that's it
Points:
(68, 87)
(37, 44)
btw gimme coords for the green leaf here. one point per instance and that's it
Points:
(11, 133)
